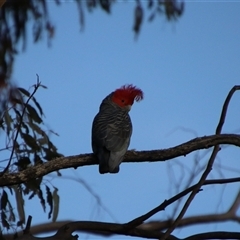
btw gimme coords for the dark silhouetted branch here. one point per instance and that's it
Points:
(64, 233)
(214, 235)
(136, 222)
(209, 165)
(230, 215)
(134, 227)
(132, 156)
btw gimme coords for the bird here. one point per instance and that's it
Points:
(112, 127)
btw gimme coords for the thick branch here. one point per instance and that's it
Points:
(188, 221)
(214, 235)
(116, 228)
(145, 228)
(132, 156)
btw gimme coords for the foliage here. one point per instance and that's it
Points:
(27, 140)
(15, 17)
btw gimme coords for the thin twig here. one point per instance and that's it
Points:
(229, 215)
(235, 205)
(36, 86)
(208, 168)
(224, 109)
(139, 220)
(131, 228)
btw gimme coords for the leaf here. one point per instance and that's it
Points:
(1, 123)
(24, 91)
(16, 147)
(43, 141)
(20, 205)
(30, 141)
(8, 121)
(11, 217)
(33, 186)
(25, 127)
(56, 199)
(4, 200)
(17, 112)
(33, 114)
(105, 4)
(152, 16)
(43, 86)
(32, 195)
(42, 200)
(20, 223)
(91, 4)
(37, 30)
(51, 146)
(150, 3)
(23, 163)
(4, 221)
(37, 160)
(138, 18)
(10, 189)
(36, 128)
(50, 154)
(38, 106)
(49, 201)
(15, 97)
(51, 131)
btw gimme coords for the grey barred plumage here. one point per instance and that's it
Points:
(111, 132)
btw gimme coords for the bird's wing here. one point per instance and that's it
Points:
(119, 131)
(111, 134)
(99, 132)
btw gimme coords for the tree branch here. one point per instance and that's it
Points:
(34, 172)
(209, 165)
(139, 220)
(116, 228)
(229, 215)
(134, 224)
(236, 203)
(190, 221)
(214, 235)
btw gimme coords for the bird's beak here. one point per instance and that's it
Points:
(128, 107)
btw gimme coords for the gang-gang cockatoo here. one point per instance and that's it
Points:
(112, 127)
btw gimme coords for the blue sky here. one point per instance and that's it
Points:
(185, 69)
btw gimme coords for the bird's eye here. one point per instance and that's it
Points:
(123, 100)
